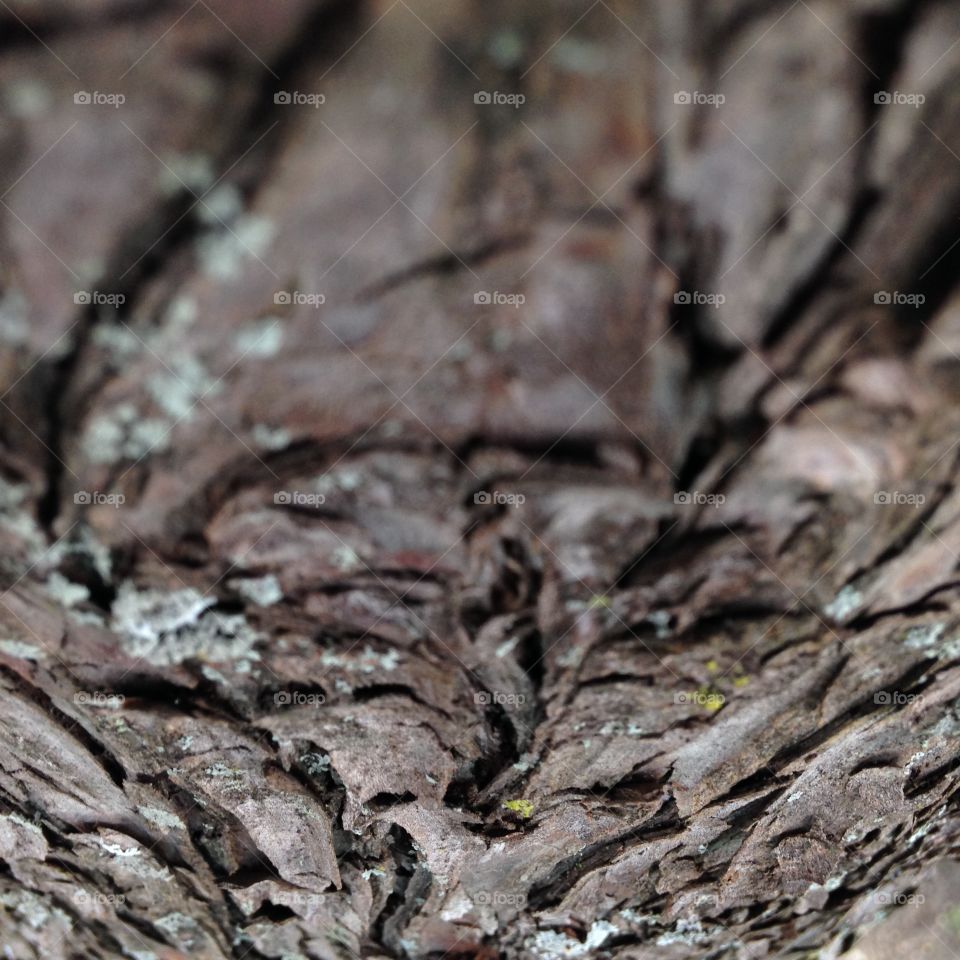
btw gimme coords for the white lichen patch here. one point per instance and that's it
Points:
(19, 522)
(214, 676)
(617, 728)
(579, 56)
(507, 48)
(369, 661)
(82, 543)
(571, 657)
(551, 945)
(181, 385)
(64, 591)
(186, 171)
(263, 591)
(631, 916)
(686, 931)
(315, 764)
(120, 342)
(347, 479)
(457, 908)
(347, 559)
(170, 627)
(928, 637)
(181, 314)
(115, 850)
(145, 614)
(14, 323)
(270, 438)
(221, 205)
(223, 252)
(28, 99)
(507, 646)
(22, 651)
(136, 860)
(263, 339)
(527, 762)
(123, 434)
(660, 620)
(924, 636)
(848, 600)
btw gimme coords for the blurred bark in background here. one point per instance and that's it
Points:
(479, 479)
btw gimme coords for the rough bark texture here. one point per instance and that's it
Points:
(439, 527)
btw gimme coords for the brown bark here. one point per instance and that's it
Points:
(440, 527)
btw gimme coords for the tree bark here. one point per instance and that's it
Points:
(478, 480)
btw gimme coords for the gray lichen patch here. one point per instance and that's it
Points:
(34, 910)
(180, 928)
(20, 839)
(170, 627)
(162, 818)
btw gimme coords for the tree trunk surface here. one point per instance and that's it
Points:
(478, 479)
